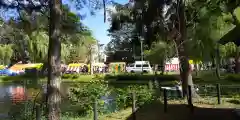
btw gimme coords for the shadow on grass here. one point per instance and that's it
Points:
(155, 111)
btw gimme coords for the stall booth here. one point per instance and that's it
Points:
(76, 67)
(174, 64)
(99, 67)
(117, 67)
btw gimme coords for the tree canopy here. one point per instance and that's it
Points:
(28, 34)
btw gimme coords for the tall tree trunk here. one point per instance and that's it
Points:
(54, 61)
(162, 67)
(185, 71)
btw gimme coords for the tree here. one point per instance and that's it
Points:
(150, 19)
(54, 60)
(159, 53)
(54, 46)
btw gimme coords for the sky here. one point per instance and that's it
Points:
(96, 23)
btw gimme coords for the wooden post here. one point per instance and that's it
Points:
(38, 112)
(219, 93)
(190, 97)
(134, 106)
(95, 115)
(165, 100)
(156, 84)
(150, 84)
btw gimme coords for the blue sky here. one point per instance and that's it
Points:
(96, 24)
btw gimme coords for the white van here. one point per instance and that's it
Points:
(139, 66)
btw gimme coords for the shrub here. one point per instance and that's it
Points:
(123, 96)
(136, 77)
(84, 95)
(233, 78)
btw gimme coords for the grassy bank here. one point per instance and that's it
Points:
(203, 77)
(79, 78)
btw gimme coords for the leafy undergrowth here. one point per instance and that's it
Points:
(177, 109)
(120, 115)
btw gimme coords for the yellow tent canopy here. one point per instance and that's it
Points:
(24, 66)
(192, 62)
(99, 64)
(2, 67)
(76, 64)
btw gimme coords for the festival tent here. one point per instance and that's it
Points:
(20, 68)
(75, 67)
(174, 64)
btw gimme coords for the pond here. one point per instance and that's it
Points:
(14, 93)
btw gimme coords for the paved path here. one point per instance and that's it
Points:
(237, 112)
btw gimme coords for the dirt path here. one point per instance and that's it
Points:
(155, 111)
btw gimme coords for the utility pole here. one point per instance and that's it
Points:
(91, 59)
(98, 45)
(141, 41)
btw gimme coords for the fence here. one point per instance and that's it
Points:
(130, 96)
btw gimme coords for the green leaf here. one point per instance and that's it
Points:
(237, 14)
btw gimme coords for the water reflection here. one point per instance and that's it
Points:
(10, 94)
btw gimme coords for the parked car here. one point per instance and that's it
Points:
(139, 67)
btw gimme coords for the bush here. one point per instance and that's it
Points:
(233, 78)
(84, 95)
(136, 77)
(124, 97)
